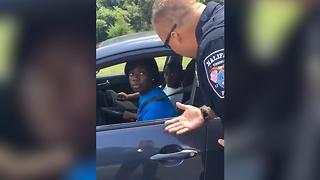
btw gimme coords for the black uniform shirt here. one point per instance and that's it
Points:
(210, 57)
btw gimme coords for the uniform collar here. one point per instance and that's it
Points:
(204, 18)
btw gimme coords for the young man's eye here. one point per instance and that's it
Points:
(130, 74)
(142, 73)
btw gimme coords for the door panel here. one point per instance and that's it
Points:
(124, 153)
(215, 152)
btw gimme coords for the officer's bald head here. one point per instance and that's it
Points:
(169, 12)
(185, 14)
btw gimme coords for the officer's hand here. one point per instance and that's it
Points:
(122, 96)
(190, 119)
(221, 142)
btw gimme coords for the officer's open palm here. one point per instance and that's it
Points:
(189, 120)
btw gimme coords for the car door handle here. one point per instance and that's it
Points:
(184, 154)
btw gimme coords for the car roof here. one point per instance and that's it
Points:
(126, 43)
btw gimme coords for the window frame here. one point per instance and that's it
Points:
(130, 125)
(109, 61)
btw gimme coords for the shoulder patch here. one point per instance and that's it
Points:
(214, 67)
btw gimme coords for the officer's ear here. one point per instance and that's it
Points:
(176, 37)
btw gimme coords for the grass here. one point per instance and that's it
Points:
(119, 68)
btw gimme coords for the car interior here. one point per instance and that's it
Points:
(109, 110)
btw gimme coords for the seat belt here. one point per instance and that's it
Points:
(185, 89)
(195, 85)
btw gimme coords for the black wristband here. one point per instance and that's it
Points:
(207, 113)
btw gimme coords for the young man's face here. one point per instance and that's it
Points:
(140, 80)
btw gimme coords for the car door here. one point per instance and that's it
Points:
(144, 151)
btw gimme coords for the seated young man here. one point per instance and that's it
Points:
(173, 78)
(153, 103)
(173, 74)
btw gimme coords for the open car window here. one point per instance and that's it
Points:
(119, 68)
(112, 70)
(112, 80)
(185, 62)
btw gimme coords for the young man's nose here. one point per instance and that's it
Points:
(135, 77)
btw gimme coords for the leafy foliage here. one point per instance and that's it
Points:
(121, 25)
(119, 17)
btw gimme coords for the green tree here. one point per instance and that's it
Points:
(101, 30)
(104, 19)
(121, 27)
(146, 11)
(119, 17)
(134, 15)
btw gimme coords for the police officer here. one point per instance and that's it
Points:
(192, 29)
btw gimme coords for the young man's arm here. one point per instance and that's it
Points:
(127, 97)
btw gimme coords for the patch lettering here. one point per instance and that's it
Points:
(214, 67)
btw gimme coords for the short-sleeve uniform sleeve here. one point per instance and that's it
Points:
(211, 73)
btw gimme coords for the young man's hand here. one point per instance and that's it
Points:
(190, 119)
(122, 96)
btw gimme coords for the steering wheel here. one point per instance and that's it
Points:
(113, 114)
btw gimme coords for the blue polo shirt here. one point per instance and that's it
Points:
(155, 110)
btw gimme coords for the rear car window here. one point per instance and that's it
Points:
(112, 70)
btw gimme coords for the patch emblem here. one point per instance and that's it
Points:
(214, 67)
